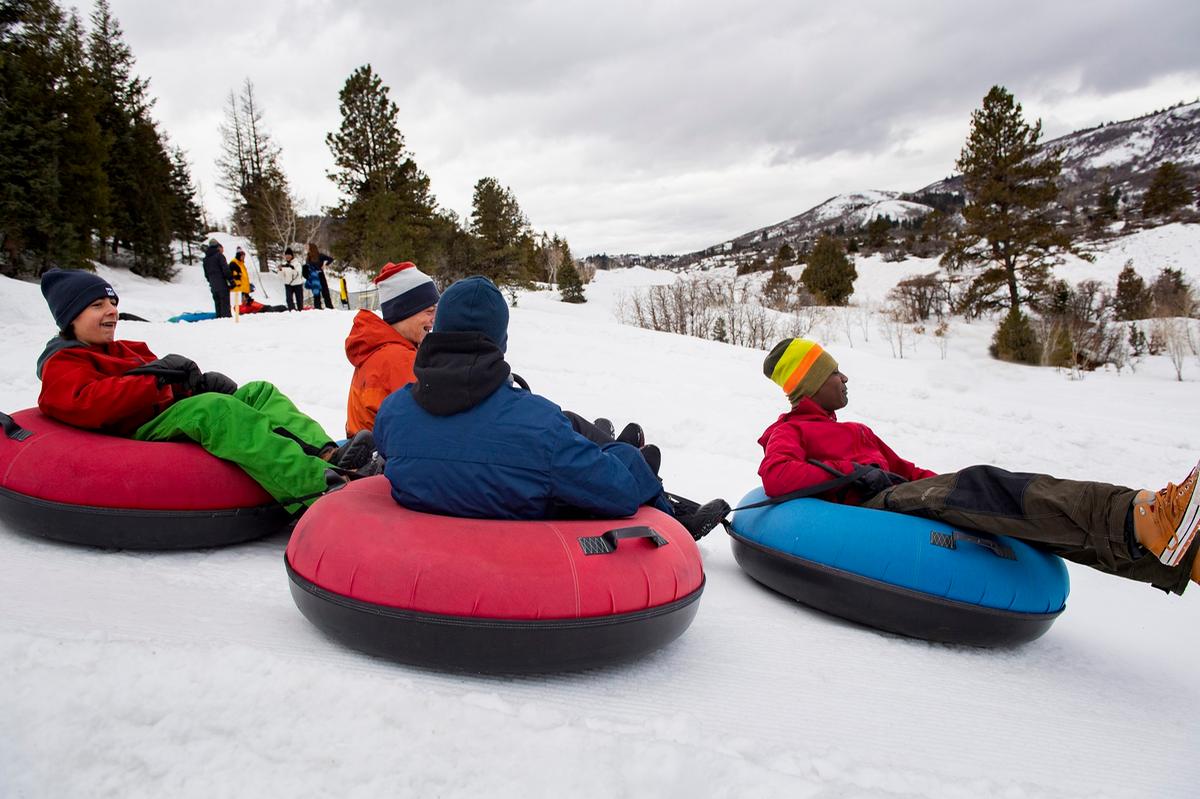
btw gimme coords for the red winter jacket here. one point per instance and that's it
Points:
(85, 386)
(810, 431)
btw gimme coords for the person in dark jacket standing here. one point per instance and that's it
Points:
(314, 276)
(1152, 537)
(216, 271)
(464, 440)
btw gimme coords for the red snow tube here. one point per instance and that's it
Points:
(487, 595)
(84, 487)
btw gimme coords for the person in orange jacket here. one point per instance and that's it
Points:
(382, 350)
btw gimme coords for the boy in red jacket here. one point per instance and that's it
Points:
(1142, 535)
(93, 381)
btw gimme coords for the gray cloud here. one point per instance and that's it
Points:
(659, 125)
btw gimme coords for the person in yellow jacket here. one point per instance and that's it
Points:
(382, 350)
(241, 275)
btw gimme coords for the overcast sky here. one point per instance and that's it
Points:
(655, 126)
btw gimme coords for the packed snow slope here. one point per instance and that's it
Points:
(192, 674)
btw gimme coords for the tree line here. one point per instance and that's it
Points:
(387, 210)
(85, 172)
(87, 175)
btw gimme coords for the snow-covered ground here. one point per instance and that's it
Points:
(192, 674)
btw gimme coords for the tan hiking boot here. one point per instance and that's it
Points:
(1168, 522)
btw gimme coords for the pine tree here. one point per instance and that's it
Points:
(1010, 187)
(389, 213)
(1168, 191)
(1016, 341)
(780, 290)
(84, 190)
(785, 256)
(31, 68)
(570, 285)
(122, 102)
(187, 219)
(1108, 203)
(1133, 299)
(877, 231)
(499, 224)
(829, 275)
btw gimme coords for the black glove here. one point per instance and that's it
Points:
(874, 480)
(171, 369)
(215, 381)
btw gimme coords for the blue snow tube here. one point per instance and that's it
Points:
(903, 574)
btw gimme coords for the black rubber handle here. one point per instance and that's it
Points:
(606, 542)
(950, 541)
(12, 429)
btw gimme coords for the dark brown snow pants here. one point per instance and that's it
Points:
(1081, 521)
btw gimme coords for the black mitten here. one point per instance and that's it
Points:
(171, 369)
(874, 480)
(215, 381)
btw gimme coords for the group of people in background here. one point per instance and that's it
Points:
(233, 276)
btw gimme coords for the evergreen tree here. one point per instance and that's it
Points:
(389, 213)
(1016, 341)
(570, 285)
(32, 68)
(785, 256)
(719, 332)
(1133, 300)
(1010, 187)
(829, 275)
(1108, 203)
(877, 231)
(500, 226)
(84, 189)
(779, 290)
(187, 219)
(1172, 294)
(1168, 191)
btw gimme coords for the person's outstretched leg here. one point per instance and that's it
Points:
(233, 430)
(282, 412)
(588, 430)
(1085, 522)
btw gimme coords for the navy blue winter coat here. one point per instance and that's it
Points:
(464, 441)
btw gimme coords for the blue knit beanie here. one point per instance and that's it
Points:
(69, 291)
(474, 305)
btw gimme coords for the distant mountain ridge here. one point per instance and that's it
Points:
(1125, 154)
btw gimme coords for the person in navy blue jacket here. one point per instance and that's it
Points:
(465, 440)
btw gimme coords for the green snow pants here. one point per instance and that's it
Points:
(256, 427)
(1080, 521)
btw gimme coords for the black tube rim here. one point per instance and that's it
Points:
(406, 615)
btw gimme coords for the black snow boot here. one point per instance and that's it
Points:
(653, 457)
(698, 519)
(633, 434)
(355, 453)
(606, 427)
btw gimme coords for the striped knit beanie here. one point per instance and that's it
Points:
(403, 291)
(799, 367)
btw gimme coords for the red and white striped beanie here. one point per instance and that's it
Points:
(403, 291)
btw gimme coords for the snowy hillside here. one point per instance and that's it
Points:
(193, 674)
(1123, 154)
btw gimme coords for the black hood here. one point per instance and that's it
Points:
(457, 371)
(56, 344)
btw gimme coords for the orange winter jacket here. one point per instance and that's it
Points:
(383, 362)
